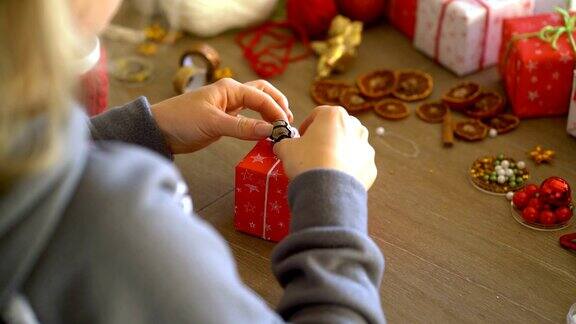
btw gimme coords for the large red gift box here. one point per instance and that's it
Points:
(538, 78)
(402, 15)
(261, 203)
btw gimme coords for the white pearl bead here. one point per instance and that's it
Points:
(380, 131)
(510, 195)
(509, 172)
(498, 167)
(501, 179)
(521, 164)
(501, 172)
(505, 164)
(492, 132)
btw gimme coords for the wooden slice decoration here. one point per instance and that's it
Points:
(503, 123)
(353, 101)
(432, 112)
(462, 95)
(391, 109)
(487, 105)
(377, 84)
(413, 85)
(328, 92)
(471, 130)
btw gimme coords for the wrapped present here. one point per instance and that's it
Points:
(572, 112)
(261, 204)
(543, 6)
(465, 35)
(537, 64)
(402, 15)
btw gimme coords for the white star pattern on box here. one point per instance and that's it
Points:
(252, 188)
(258, 158)
(549, 87)
(533, 95)
(268, 227)
(238, 189)
(279, 191)
(275, 206)
(246, 175)
(565, 57)
(556, 75)
(275, 174)
(531, 66)
(538, 52)
(252, 225)
(249, 208)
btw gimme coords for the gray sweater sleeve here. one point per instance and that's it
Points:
(328, 266)
(132, 123)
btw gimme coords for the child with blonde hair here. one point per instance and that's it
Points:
(96, 225)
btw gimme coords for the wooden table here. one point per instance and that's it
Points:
(453, 253)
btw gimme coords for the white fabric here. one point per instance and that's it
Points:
(211, 17)
(89, 61)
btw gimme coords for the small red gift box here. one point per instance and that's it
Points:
(538, 77)
(402, 15)
(261, 203)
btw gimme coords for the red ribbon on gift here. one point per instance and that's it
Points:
(441, 25)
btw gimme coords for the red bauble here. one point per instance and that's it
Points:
(547, 218)
(535, 203)
(531, 190)
(312, 16)
(364, 10)
(530, 214)
(556, 191)
(563, 214)
(520, 199)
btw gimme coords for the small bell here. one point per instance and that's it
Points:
(282, 130)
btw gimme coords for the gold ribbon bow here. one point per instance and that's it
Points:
(552, 34)
(336, 52)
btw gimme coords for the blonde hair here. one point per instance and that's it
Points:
(37, 47)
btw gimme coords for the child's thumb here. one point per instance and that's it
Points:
(245, 128)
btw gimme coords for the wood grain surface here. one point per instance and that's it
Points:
(453, 254)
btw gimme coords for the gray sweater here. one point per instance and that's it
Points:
(107, 236)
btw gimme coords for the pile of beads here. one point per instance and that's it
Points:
(498, 174)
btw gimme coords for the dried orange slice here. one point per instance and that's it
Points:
(327, 92)
(377, 84)
(391, 109)
(503, 123)
(471, 130)
(487, 105)
(353, 101)
(432, 112)
(413, 85)
(462, 95)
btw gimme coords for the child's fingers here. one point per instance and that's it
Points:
(273, 92)
(238, 95)
(243, 128)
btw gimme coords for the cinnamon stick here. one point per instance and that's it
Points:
(447, 129)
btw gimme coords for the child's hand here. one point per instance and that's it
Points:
(331, 139)
(196, 119)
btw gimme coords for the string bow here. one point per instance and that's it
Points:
(551, 34)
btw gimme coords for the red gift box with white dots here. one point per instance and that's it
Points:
(538, 78)
(261, 203)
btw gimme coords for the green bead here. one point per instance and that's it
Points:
(486, 177)
(493, 178)
(500, 156)
(512, 184)
(512, 165)
(512, 178)
(520, 181)
(497, 162)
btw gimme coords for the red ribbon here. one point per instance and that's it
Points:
(484, 37)
(271, 59)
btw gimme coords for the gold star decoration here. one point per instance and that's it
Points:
(541, 155)
(340, 48)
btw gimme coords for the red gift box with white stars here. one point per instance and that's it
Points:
(261, 203)
(538, 78)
